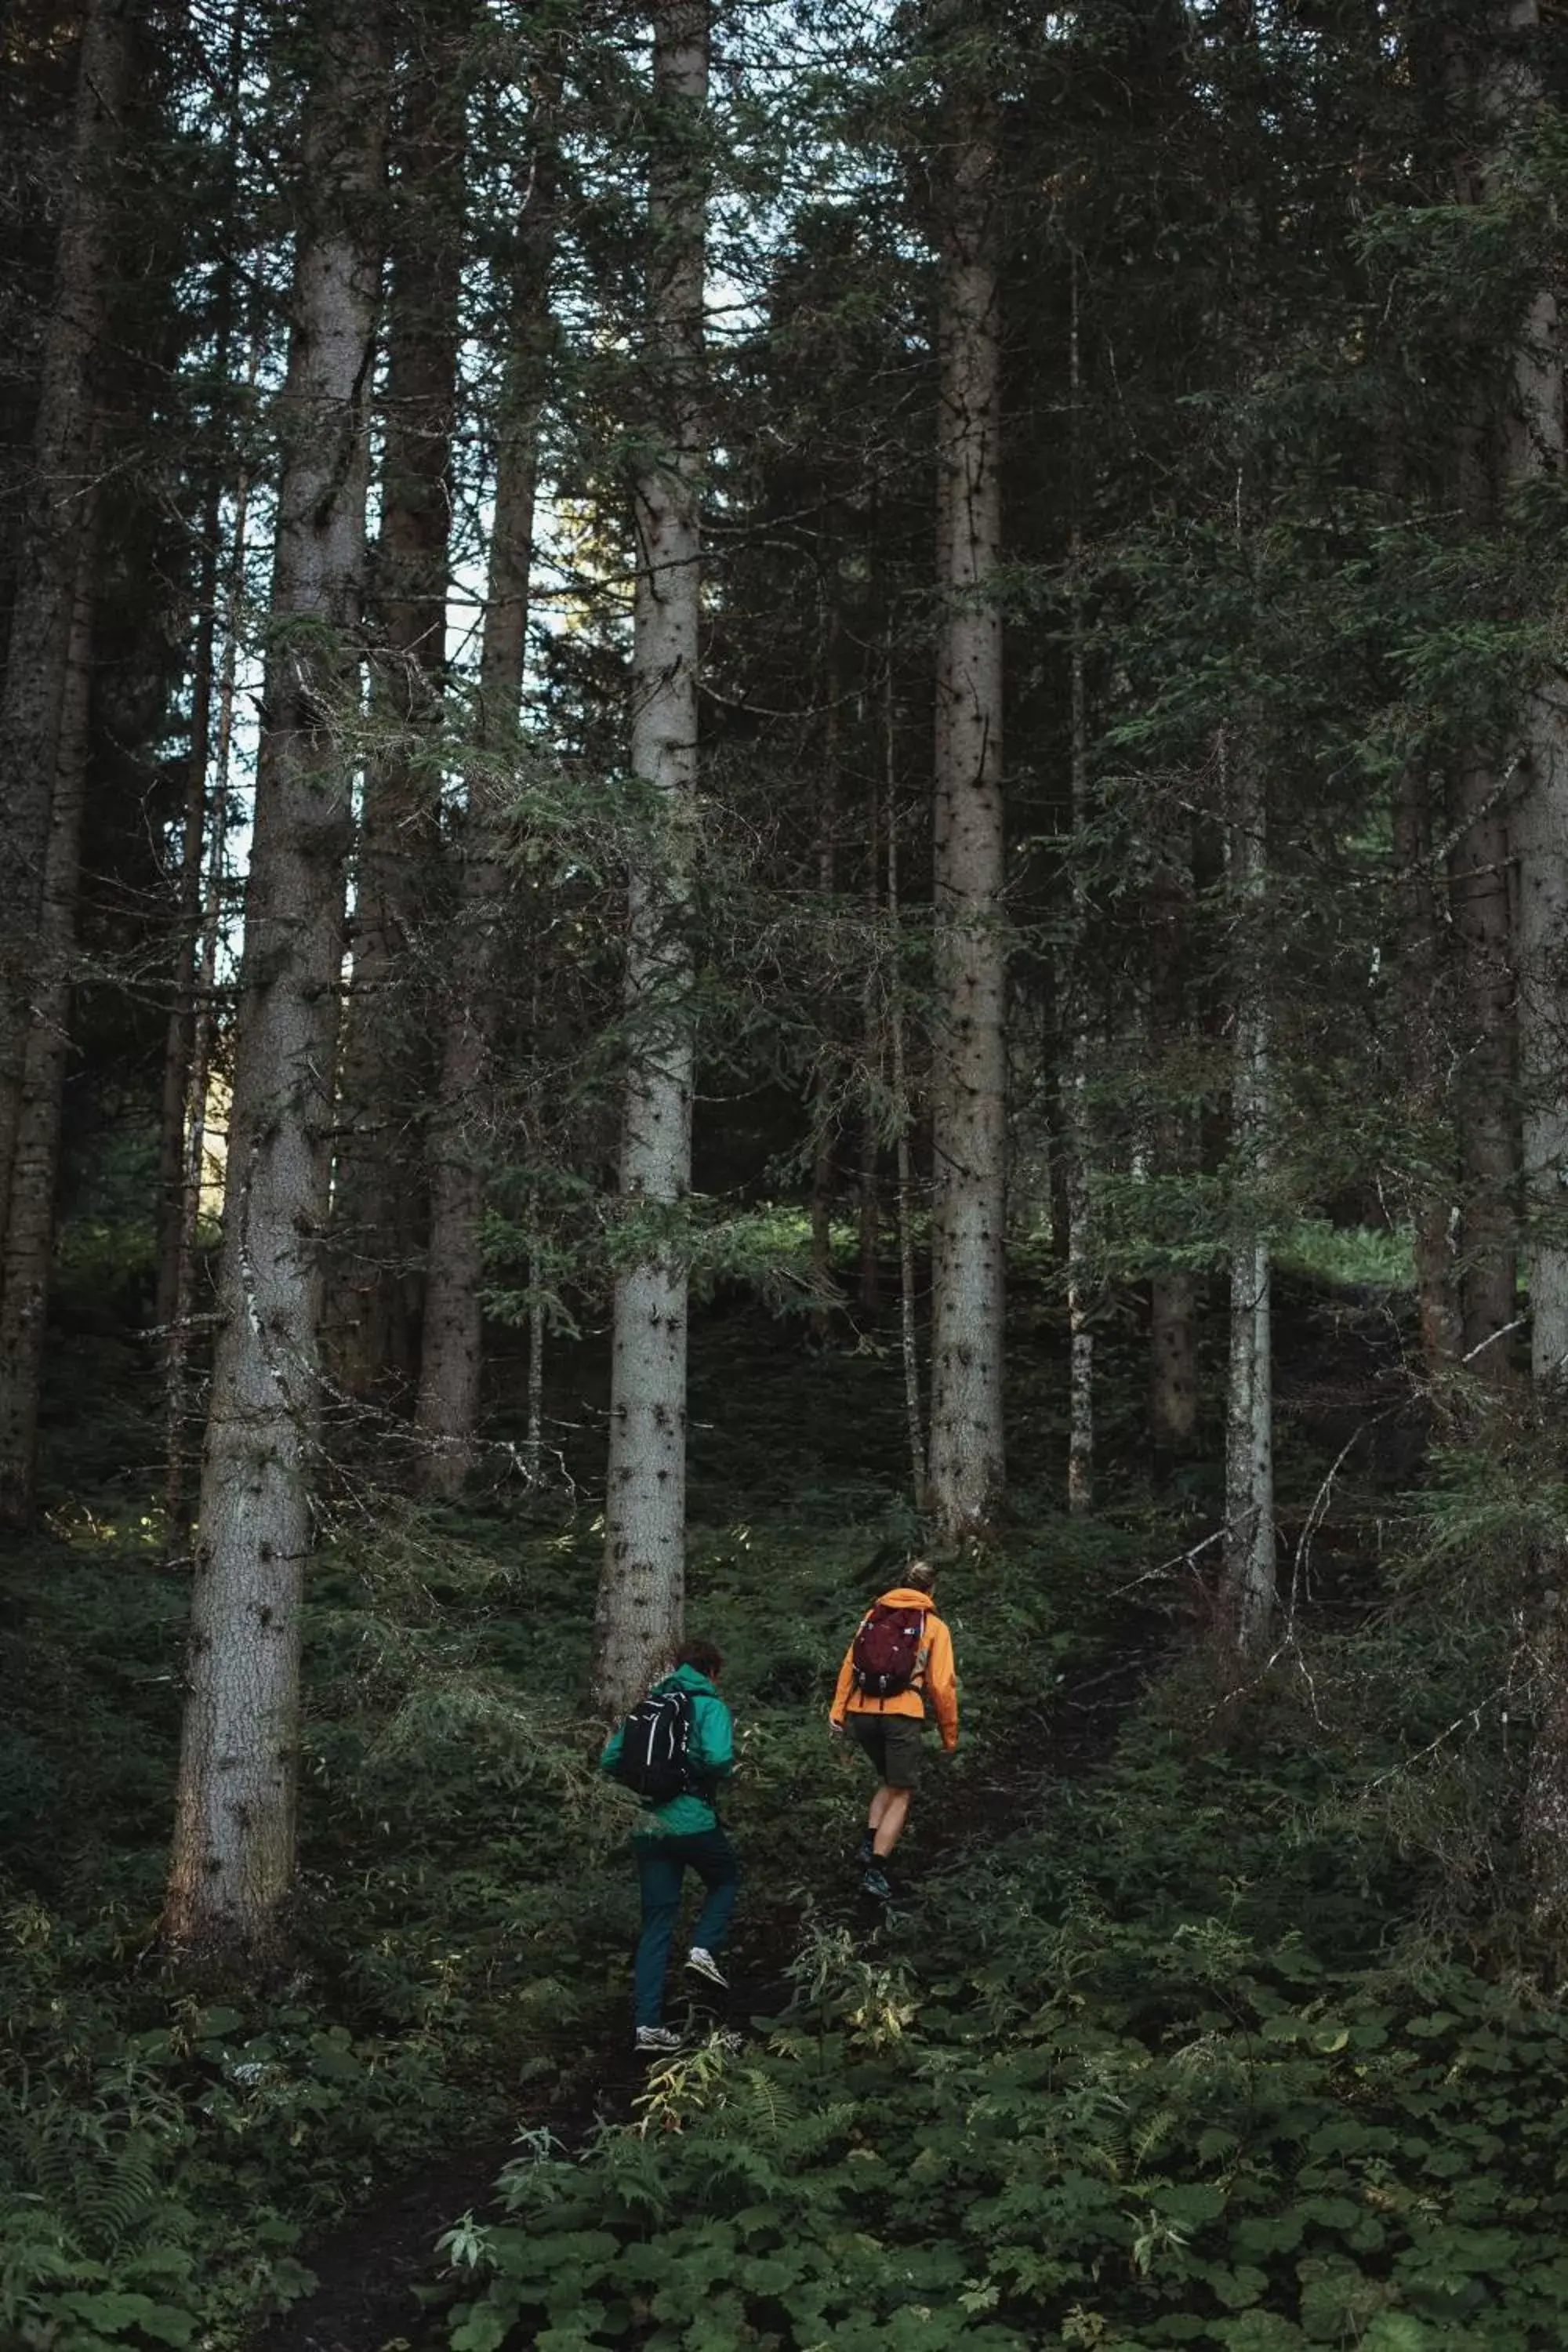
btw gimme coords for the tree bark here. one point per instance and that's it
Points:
(1531, 441)
(376, 1292)
(1534, 444)
(180, 1042)
(1422, 979)
(1543, 1823)
(1081, 1330)
(533, 1400)
(1488, 1102)
(968, 1095)
(29, 1235)
(1498, 80)
(1249, 1593)
(1173, 1295)
(204, 1029)
(903, 1110)
(641, 1601)
(233, 1857)
(451, 1364)
(868, 1173)
(59, 482)
(1540, 844)
(1076, 995)
(825, 1122)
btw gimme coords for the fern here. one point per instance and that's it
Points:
(1156, 2135)
(122, 2192)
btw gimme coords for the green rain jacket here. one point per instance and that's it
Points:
(712, 1756)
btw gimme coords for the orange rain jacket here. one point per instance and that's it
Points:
(934, 1677)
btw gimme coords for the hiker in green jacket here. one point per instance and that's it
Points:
(680, 1834)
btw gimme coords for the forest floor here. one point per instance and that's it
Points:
(1112, 1869)
(368, 2268)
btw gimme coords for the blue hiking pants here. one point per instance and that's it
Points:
(662, 1863)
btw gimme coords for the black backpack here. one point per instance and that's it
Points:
(655, 1740)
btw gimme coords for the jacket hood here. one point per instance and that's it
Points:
(906, 1596)
(686, 1678)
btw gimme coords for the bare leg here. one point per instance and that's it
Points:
(889, 1809)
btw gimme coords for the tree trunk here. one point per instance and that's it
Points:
(1173, 1345)
(451, 1364)
(378, 1206)
(968, 1093)
(1543, 1823)
(1532, 441)
(1173, 1296)
(179, 1040)
(451, 1360)
(1541, 843)
(868, 1184)
(533, 1402)
(1250, 1541)
(31, 1227)
(641, 1601)
(1478, 890)
(822, 1200)
(909, 1323)
(58, 482)
(1421, 980)
(1487, 1099)
(825, 1124)
(204, 1029)
(1080, 1332)
(1535, 444)
(1076, 995)
(233, 1857)
(185, 1015)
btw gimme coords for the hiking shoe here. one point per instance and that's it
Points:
(875, 1884)
(657, 2037)
(701, 1963)
(867, 1854)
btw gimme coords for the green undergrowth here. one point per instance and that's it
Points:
(1181, 2063)
(1009, 2111)
(169, 2147)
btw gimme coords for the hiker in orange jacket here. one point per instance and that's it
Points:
(902, 1628)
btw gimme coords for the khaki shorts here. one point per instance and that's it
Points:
(893, 1743)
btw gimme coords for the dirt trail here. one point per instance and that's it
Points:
(367, 2269)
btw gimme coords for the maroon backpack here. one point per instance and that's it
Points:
(887, 1649)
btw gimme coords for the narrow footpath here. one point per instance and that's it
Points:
(368, 2268)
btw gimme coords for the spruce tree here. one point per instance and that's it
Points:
(966, 1478)
(60, 471)
(463, 1125)
(642, 1589)
(233, 1857)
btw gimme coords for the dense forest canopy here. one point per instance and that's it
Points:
(783, 783)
